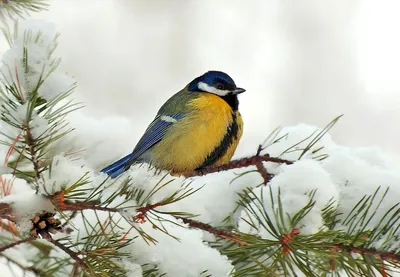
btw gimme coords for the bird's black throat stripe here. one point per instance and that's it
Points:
(232, 101)
(220, 150)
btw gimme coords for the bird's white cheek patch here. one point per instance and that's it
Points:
(210, 89)
(167, 118)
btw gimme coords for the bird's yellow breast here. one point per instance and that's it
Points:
(190, 141)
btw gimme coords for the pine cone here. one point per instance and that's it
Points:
(44, 224)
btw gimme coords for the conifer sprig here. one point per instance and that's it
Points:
(38, 119)
(20, 8)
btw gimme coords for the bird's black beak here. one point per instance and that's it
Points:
(238, 90)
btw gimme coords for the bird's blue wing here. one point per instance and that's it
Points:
(154, 133)
(117, 167)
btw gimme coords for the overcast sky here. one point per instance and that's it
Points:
(300, 61)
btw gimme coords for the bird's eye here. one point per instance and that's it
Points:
(220, 86)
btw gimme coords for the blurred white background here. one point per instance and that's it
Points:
(300, 61)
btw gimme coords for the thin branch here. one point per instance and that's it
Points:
(384, 255)
(11, 245)
(59, 202)
(72, 254)
(145, 209)
(87, 206)
(244, 162)
(263, 172)
(221, 233)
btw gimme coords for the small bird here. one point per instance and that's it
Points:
(197, 127)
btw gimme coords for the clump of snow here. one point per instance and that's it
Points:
(359, 172)
(295, 182)
(38, 126)
(132, 269)
(55, 85)
(189, 256)
(38, 40)
(217, 196)
(20, 113)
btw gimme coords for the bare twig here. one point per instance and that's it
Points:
(244, 162)
(384, 255)
(263, 172)
(141, 212)
(221, 233)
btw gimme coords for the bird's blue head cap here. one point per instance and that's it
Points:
(215, 82)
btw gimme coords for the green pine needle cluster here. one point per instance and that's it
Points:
(349, 250)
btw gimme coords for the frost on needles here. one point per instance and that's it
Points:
(298, 205)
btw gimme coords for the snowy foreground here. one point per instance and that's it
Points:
(344, 176)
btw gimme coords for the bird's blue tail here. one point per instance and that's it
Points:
(117, 168)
